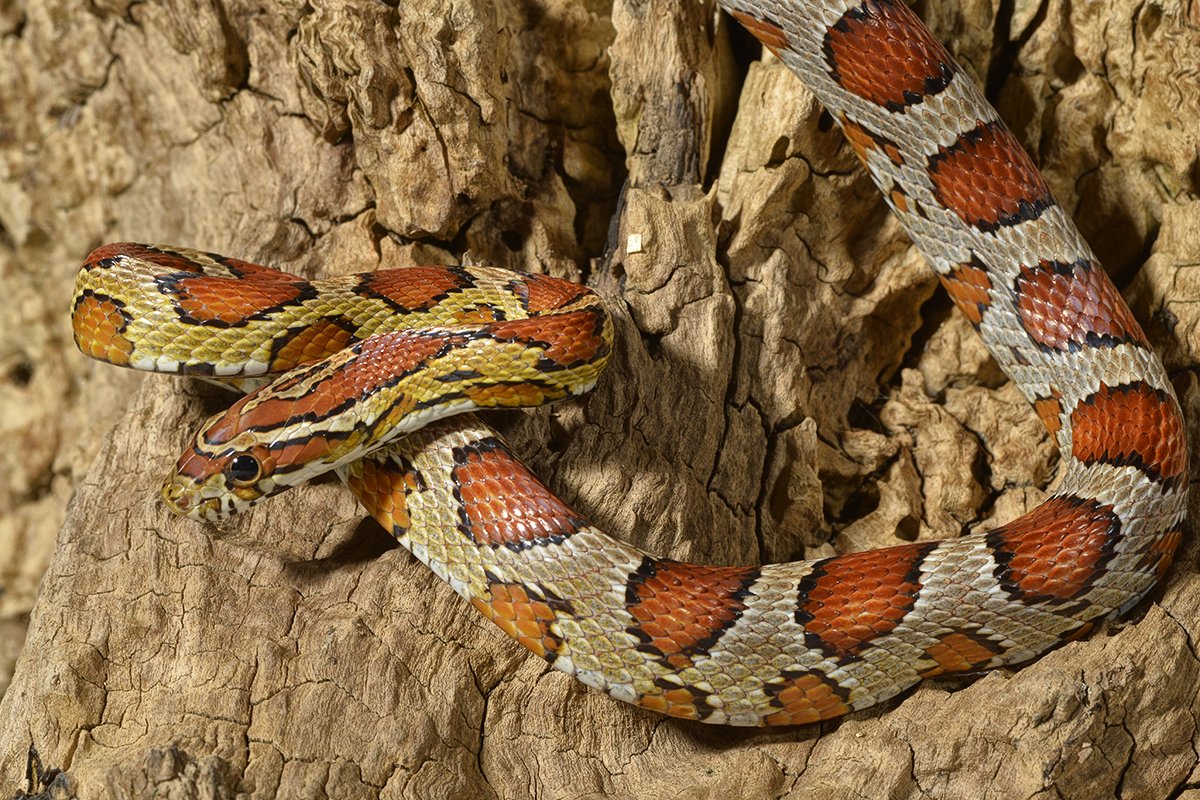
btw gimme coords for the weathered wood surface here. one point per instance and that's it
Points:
(787, 383)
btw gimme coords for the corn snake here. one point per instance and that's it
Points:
(777, 644)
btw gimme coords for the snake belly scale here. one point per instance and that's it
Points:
(367, 360)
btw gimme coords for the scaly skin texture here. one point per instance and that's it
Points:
(776, 644)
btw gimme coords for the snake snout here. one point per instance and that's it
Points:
(176, 497)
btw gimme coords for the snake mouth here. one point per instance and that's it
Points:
(184, 498)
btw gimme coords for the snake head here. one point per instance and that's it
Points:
(209, 485)
(260, 446)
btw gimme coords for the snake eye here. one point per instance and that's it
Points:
(243, 470)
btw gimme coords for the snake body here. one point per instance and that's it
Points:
(376, 355)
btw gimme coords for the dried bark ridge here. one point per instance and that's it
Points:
(163, 659)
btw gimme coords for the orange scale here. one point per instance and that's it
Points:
(1104, 423)
(384, 493)
(1159, 554)
(1056, 550)
(881, 52)
(958, 652)
(544, 293)
(500, 497)
(311, 343)
(415, 288)
(528, 621)
(969, 286)
(987, 179)
(1064, 305)
(98, 324)
(770, 34)
(808, 698)
(654, 702)
(683, 608)
(882, 589)
(502, 609)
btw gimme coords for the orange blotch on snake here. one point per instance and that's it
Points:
(414, 288)
(99, 325)
(661, 704)
(1131, 425)
(1049, 411)
(849, 600)
(959, 652)
(987, 179)
(509, 395)
(160, 256)
(525, 618)
(382, 489)
(1066, 306)
(379, 359)
(864, 141)
(321, 339)
(502, 503)
(1056, 551)
(372, 365)
(543, 293)
(682, 609)
(1080, 632)
(809, 697)
(681, 703)
(306, 451)
(234, 301)
(769, 33)
(568, 340)
(968, 286)
(882, 52)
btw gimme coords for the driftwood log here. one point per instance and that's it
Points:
(787, 384)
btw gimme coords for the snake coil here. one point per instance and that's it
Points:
(368, 360)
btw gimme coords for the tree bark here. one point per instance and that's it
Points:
(787, 383)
